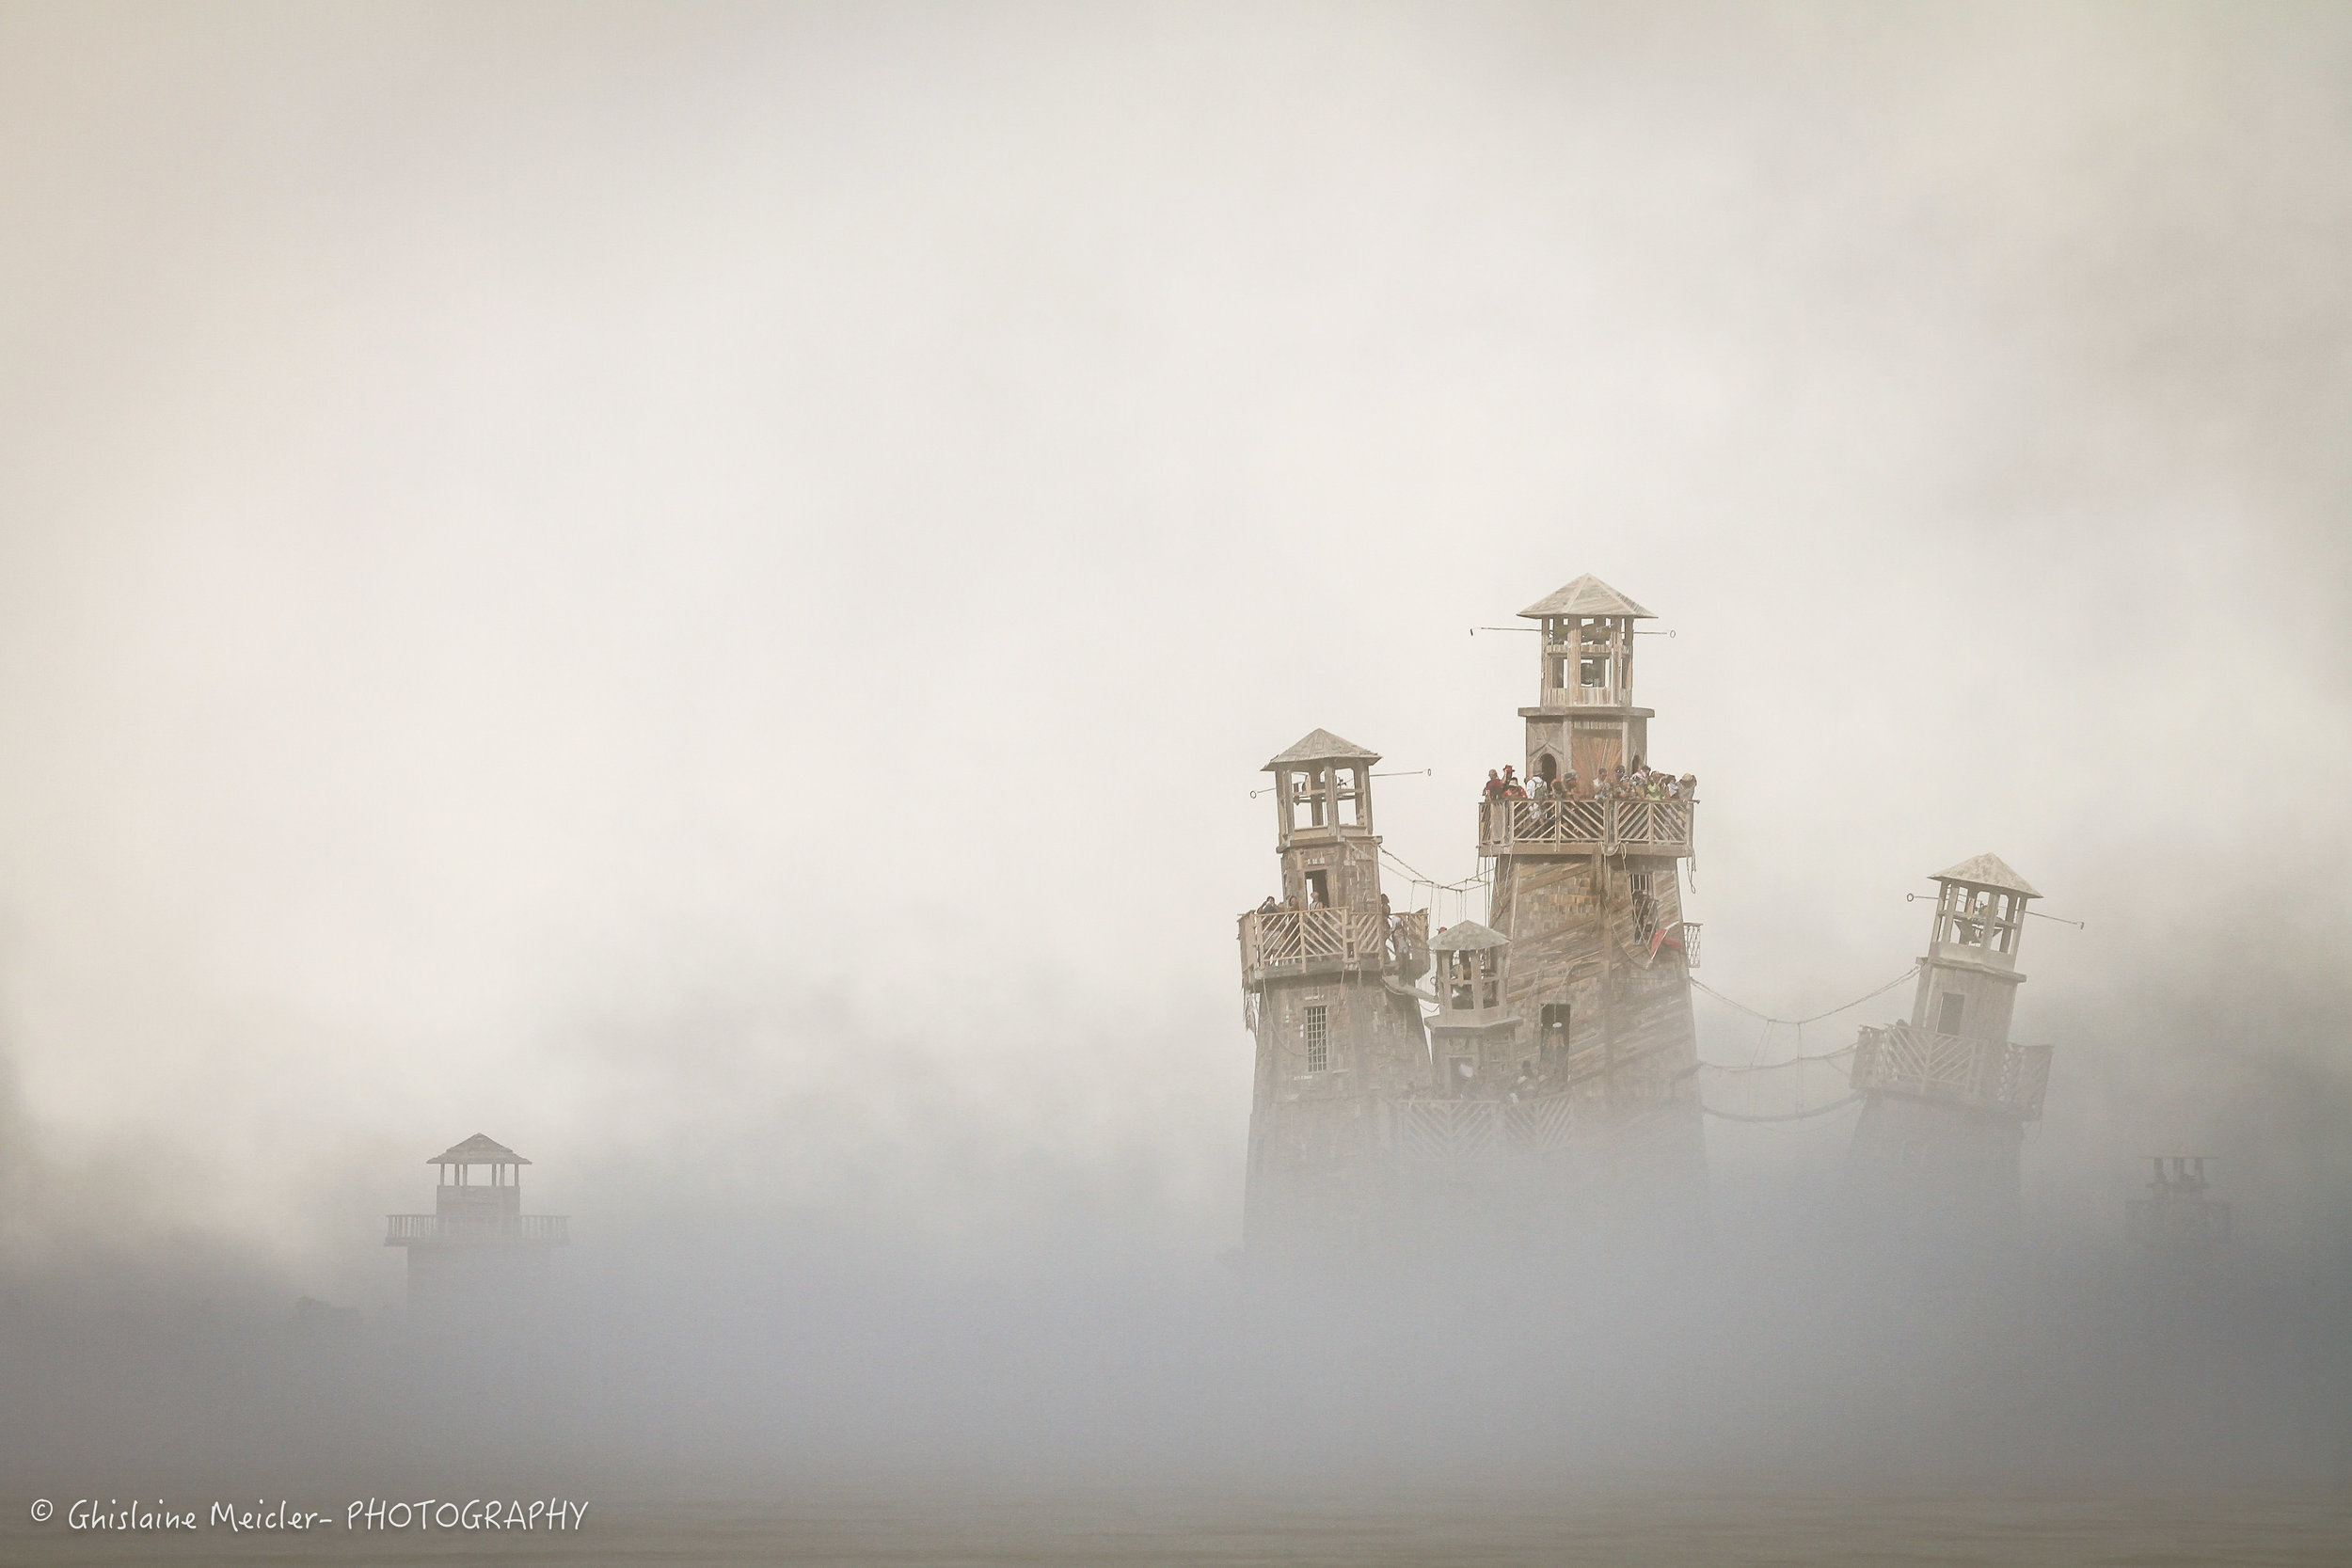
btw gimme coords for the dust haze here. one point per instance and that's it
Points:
(701, 590)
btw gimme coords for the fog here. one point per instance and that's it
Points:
(702, 590)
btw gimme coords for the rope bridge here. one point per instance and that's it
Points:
(1800, 1059)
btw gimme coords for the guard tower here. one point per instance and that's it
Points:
(2176, 1225)
(1475, 1037)
(1327, 990)
(1586, 876)
(1947, 1096)
(477, 1248)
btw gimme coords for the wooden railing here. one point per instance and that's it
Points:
(1587, 696)
(1350, 939)
(1457, 1131)
(1581, 827)
(543, 1229)
(1991, 1075)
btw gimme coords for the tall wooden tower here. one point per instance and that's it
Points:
(1326, 986)
(1946, 1097)
(477, 1249)
(1588, 889)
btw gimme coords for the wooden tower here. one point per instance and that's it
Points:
(1946, 1097)
(1587, 890)
(1474, 1038)
(2176, 1225)
(477, 1248)
(1326, 984)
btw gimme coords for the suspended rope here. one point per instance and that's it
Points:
(1788, 1116)
(1447, 902)
(1771, 1067)
(1905, 978)
(1422, 878)
(1798, 1060)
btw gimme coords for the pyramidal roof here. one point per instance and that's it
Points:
(1321, 746)
(1987, 871)
(479, 1150)
(1587, 596)
(1467, 934)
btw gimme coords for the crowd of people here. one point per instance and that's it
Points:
(1620, 783)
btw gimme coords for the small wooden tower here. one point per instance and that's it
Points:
(1947, 1096)
(1475, 1037)
(2176, 1225)
(1585, 879)
(477, 1247)
(1326, 984)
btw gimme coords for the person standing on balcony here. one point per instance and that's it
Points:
(1269, 907)
(1494, 784)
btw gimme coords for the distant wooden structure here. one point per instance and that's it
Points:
(1947, 1094)
(1588, 889)
(1327, 982)
(1563, 1044)
(2177, 1226)
(476, 1246)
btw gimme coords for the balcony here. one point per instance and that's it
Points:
(1285, 943)
(1985, 1075)
(1631, 827)
(477, 1230)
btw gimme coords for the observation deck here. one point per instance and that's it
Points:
(1563, 827)
(1331, 940)
(1983, 1075)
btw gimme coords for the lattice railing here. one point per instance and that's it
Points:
(1348, 936)
(1457, 1130)
(1992, 1074)
(1608, 824)
(1650, 821)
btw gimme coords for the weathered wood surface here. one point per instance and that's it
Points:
(1991, 1075)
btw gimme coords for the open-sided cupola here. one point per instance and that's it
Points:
(1322, 789)
(1587, 630)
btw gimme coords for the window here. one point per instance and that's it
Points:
(1350, 786)
(1592, 671)
(1947, 1019)
(1318, 888)
(1554, 1044)
(1645, 908)
(1464, 1070)
(1461, 980)
(1303, 789)
(2008, 913)
(1318, 1037)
